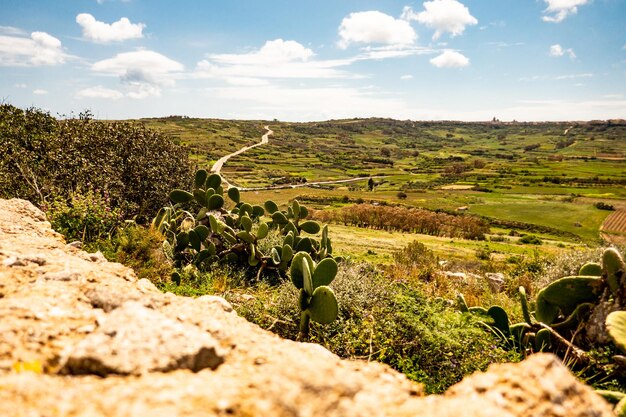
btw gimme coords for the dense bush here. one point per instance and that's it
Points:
(42, 159)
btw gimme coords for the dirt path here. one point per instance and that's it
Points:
(307, 184)
(217, 167)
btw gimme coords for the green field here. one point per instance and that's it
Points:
(524, 177)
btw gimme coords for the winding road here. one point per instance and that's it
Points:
(217, 168)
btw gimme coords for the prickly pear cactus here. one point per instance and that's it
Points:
(214, 234)
(317, 301)
(586, 310)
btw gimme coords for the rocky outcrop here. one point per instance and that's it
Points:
(111, 345)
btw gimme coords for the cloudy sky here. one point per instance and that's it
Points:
(317, 60)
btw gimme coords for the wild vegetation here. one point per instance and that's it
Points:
(369, 269)
(124, 166)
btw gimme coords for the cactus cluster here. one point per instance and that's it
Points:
(199, 231)
(317, 300)
(566, 306)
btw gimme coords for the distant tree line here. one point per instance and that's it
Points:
(410, 220)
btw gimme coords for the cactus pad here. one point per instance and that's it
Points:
(591, 269)
(325, 272)
(323, 306)
(213, 181)
(542, 340)
(568, 292)
(616, 326)
(233, 194)
(180, 196)
(216, 201)
(270, 207)
(545, 312)
(296, 273)
(500, 319)
(200, 178)
(310, 227)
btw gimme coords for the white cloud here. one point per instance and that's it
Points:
(272, 52)
(97, 31)
(501, 44)
(40, 92)
(145, 72)
(572, 76)
(12, 31)
(558, 10)
(37, 50)
(390, 51)
(99, 92)
(20, 85)
(556, 77)
(281, 59)
(275, 59)
(375, 27)
(450, 59)
(406, 77)
(557, 51)
(444, 16)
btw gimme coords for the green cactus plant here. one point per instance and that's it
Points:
(542, 340)
(500, 319)
(613, 268)
(317, 301)
(215, 234)
(524, 303)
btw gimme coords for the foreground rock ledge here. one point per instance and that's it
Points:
(83, 318)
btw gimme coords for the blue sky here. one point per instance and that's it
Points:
(317, 60)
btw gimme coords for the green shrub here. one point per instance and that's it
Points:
(530, 240)
(86, 217)
(42, 159)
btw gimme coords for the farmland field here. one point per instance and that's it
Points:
(524, 178)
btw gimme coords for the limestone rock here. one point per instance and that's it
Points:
(135, 340)
(495, 281)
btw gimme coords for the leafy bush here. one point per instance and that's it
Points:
(42, 159)
(530, 240)
(85, 217)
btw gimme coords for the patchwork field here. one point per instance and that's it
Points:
(543, 179)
